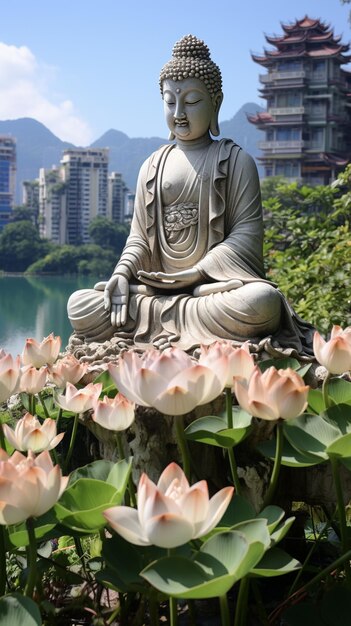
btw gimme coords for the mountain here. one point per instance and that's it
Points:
(126, 155)
(38, 147)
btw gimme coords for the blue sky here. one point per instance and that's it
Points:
(83, 67)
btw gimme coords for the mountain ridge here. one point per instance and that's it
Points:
(38, 147)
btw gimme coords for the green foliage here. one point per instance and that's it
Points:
(308, 249)
(20, 245)
(107, 234)
(86, 259)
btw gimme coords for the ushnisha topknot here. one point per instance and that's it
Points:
(191, 59)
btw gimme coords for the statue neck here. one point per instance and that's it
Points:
(201, 143)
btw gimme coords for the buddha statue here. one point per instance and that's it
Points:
(192, 268)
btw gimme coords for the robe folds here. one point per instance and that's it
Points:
(215, 225)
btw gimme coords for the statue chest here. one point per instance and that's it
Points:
(180, 179)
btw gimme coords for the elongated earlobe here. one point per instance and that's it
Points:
(171, 136)
(214, 126)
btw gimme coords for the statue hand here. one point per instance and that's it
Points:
(116, 296)
(186, 277)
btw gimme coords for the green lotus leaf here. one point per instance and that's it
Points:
(43, 525)
(255, 530)
(275, 562)
(213, 430)
(340, 391)
(222, 560)
(339, 416)
(290, 456)
(239, 510)
(316, 402)
(116, 474)
(124, 562)
(341, 448)
(108, 385)
(280, 531)
(81, 505)
(311, 434)
(273, 515)
(280, 364)
(18, 610)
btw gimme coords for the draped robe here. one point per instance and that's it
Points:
(215, 225)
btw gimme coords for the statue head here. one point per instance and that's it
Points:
(191, 65)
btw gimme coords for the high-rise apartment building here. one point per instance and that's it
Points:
(7, 178)
(52, 205)
(117, 198)
(85, 172)
(307, 124)
(30, 197)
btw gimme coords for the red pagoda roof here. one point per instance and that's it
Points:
(305, 22)
(264, 116)
(333, 159)
(301, 38)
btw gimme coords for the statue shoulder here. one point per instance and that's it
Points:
(153, 160)
(238, 155)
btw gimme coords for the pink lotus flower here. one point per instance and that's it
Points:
(170, 513)
(240, 363)
(335, 354)
(33, 380)
(10, 370)
(29, 486)
(272, 395)
(30, 434)
(171, 381)
(43, 353)
(67, 370)
(79, 400)
(114, 413)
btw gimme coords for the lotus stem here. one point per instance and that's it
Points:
(2, 437)
(325, 385)
(46, 412)
(241, 604)
(119, 444)
(276, 467)
(121, 456)
(32, 559)
(59, 415)
(2, 562)
(224, 608)
(231, 455)
(72, 441)
(342, 516)
(173, 614)
(183, 445)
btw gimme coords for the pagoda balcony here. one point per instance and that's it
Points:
(286, 111)
(272, 77)
(281, 146)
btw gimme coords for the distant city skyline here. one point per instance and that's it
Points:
(81, 68)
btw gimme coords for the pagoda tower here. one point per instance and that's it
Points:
(307, 123)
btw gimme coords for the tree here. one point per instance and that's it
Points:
(308, 251)
(20, 245)
(86, 259)
(22, 213)
(106, 233)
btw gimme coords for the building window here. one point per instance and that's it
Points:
(288, 169)
(288, 134)
(317, 138)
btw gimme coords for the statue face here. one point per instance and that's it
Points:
(188, 108)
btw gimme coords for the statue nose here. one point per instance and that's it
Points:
(179, 112)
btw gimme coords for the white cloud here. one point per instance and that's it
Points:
(24, 93)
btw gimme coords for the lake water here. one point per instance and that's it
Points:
(35, 306)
